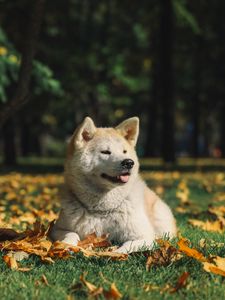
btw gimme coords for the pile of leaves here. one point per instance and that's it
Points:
(36, 242)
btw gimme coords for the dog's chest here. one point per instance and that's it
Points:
(120, 225)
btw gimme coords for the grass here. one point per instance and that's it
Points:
(131, 277)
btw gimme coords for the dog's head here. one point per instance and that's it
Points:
(106, 157)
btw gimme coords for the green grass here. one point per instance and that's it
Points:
(131, 276)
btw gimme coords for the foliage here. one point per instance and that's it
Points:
(43, 79)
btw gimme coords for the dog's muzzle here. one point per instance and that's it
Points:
(127, 164)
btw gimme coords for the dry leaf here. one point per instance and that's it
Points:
(9, 234)
(219, 211)
(20, 255)
(219, 197)
(24, 269)
(181, 209)
(183, 192)
(162, 256)
(113, 293)
(107, 254)
(183, 245)
(44, 280)
(94, 241)
(217, 267)
(11, 262)
(92, 289)
(150, 287)
(216, 226)
(182, 281)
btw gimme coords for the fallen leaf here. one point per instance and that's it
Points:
(217, 267)
(150, 287)
(162, 256)
(202, 243)
(9, 234)
(181, 282)
(92, 289)
(183, 192)
(220, 197)
(94, 241)
(216, 226)
(113, 293)
(107, 254)
(183, 245)
(24, 269)
(219, 211)
(181, 209)
(44, 280)
(11, 262)
(19, 255)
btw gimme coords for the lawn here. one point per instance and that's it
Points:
(26, 197)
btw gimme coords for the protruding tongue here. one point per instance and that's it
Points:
(124, 178)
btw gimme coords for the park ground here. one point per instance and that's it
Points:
(194, 190)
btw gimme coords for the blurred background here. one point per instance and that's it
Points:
(161, 60)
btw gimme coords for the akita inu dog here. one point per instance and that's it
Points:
(104, 192)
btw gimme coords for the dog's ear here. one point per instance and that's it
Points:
(84, 133)
(129, 129)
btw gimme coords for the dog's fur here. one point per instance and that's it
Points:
(127, 210)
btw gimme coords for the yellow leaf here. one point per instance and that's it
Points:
(218, 210)
(10, 261)
(183, 245)
(217, 268)
(216, 226)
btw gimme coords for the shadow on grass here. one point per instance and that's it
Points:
(55, 165)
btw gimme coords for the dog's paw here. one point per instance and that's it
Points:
(71, 238)
(134, 246)
(122, 250)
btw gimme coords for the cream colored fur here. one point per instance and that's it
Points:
(130, 213)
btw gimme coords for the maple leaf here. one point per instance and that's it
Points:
(183, 245)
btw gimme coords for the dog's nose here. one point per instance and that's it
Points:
(127, 163)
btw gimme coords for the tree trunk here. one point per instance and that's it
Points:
(9, 146)
(222, 131)
(150, 146)
(25, 138)
(22, 90)
(166, 80)
(196, 97)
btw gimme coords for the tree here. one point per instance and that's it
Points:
(21, 94)
(166, 88)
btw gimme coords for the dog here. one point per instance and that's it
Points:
(104, 192)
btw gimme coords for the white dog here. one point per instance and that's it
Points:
(104, 192)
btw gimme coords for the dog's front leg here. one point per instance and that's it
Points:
(136, 245)
(65, 236)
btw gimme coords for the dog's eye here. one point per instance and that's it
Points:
(107, 152)
(124, 151)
